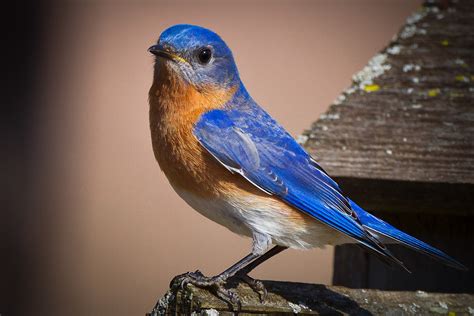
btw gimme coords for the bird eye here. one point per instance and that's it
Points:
(204, 55)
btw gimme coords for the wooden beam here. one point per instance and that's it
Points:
(397, 196)
(409, 114)
(313, 299)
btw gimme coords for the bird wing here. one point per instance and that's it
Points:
(253, 145)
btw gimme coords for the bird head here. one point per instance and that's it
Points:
(197, 56)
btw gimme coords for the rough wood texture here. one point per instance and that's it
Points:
(400, 142)
(397, 196)
(409, 115)
(311, 299)
(355, 268)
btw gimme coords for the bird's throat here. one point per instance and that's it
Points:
(171, 97)
(175, 107)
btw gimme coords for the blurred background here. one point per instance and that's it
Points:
(89, 224)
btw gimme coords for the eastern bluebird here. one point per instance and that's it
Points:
(233, 163)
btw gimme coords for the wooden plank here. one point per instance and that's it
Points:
(409, 115)
(287, 298)
(396, 196)
(355, 268)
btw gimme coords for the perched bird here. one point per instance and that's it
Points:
(233, 163)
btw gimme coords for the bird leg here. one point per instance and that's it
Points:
(240, 270)
(215, 284)
(254, 284)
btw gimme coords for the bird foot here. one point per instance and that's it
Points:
(256, 285)
(215, 284)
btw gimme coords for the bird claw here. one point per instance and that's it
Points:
(181, 280)
(256, 285)
(215, 285)
(229, 296)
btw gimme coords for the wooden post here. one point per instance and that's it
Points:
(287, 298)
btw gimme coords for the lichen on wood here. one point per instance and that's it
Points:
(409, 114)
(312, 299)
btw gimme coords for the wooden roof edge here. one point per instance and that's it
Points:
(409, 114)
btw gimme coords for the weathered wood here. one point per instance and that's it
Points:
(397, 196)
(312, 299)
(409, 114)
(400, 142)
(355, 268)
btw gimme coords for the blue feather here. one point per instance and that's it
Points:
(380, 227)
(245, 139)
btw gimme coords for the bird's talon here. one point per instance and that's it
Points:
(215, 284)
(177, 281)
(263, 295)
(180, 281)
(183, 283)
(230, 297)
(261, 290)
(196, 278)
(256, 285)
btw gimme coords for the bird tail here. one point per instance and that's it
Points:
(379, 227)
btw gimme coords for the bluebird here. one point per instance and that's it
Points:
(233, 163)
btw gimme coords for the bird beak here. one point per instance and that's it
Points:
(159, 52)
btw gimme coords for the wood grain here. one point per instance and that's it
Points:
(415, 121)
(286, 298)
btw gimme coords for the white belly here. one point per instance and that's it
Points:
(247, 214)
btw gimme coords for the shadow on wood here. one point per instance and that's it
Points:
(313, 299)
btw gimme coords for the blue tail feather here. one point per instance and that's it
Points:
(380, 227)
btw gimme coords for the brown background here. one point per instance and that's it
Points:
(106, 231)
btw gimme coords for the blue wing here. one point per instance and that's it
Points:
(378, 226)
(252, 144)
(249, 142)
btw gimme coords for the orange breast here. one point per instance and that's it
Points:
(175, 107)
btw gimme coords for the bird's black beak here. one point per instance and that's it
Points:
(158, 51)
